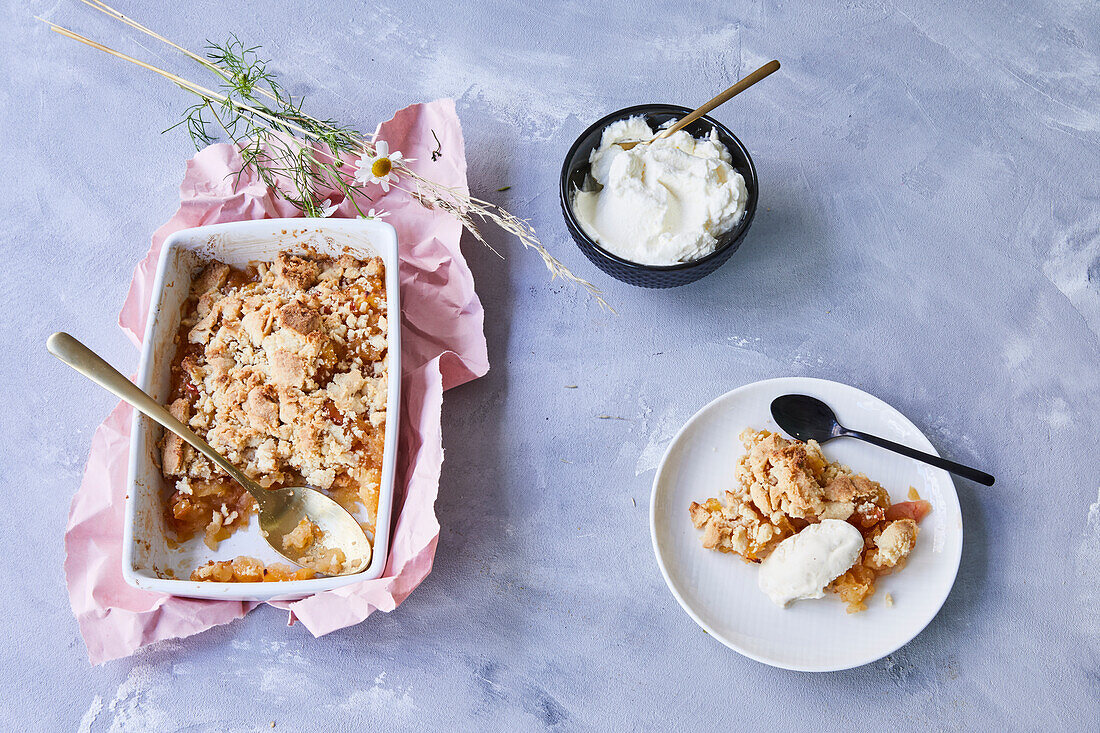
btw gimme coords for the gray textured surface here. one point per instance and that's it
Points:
(927, 232)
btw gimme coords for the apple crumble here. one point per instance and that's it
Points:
(784, 486)
(282, 368)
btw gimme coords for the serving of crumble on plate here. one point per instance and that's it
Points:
(719, 494)
(783, 486)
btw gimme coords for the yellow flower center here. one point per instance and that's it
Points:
(381, 167)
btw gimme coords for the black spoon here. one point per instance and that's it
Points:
(808, 418)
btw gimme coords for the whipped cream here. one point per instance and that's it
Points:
(662, 203)
(801, 566)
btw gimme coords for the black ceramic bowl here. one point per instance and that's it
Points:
(575, 169)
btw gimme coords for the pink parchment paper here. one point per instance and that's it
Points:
(442, 345)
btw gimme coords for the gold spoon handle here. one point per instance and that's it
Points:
(87, 362)
(768, 68)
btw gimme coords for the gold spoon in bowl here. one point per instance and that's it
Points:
(281, 510)
(768, 68)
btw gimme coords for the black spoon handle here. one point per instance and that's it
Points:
(965, 471)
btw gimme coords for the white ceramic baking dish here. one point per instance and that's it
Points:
(148, 562)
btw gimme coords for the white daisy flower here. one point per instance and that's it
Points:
(328, 208)
(378, 167)
(372, 214)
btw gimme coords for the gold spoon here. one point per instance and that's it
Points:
(768, 68)
(281, 510)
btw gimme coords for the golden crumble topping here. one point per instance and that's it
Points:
(282, 368)
(785, 485)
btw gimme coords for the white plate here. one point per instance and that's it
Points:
(148, 562)
(719, 590)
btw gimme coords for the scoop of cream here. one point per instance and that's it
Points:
(662, 203)
(801, 566)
